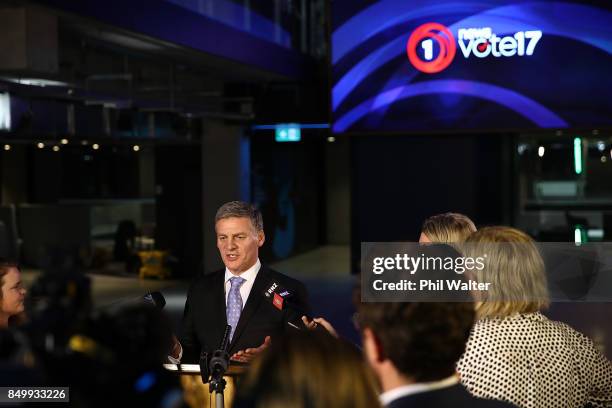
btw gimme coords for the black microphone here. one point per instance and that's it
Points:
(276, 294)
(216, 364)
(225, 342)
(204, 371)
(282, 299)
(220, 358)
(155, 299)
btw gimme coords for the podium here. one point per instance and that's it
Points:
(196, 393)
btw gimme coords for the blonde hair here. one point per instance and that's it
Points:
(448, 227)
(515, 269)
(309, 369)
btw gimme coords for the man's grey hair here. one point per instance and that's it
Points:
(240, 209)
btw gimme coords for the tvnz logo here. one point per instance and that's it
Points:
(477, 42)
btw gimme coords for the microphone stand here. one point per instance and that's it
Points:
(218, 366)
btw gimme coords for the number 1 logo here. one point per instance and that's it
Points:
(425, 35)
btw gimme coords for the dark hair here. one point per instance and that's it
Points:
(422, 340)
(240, 209)
(308, 370)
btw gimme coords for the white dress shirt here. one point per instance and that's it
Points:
(249, 275)
(389, 396)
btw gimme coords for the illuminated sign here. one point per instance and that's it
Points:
(5, 111)
(482, 42)
(288, 132)
(479, 42)
(449, 65)
(425, 35)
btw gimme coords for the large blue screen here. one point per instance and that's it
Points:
(422, 65)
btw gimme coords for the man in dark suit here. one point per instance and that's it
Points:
(235, 295)
(413, 348)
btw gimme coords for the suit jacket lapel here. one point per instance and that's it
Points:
(252, 304)
(218, 295)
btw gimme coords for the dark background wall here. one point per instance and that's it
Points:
(225, 177)
(288, 186)
(178, 171)
(398, 181)
(337, 191)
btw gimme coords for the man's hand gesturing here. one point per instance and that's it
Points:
(245, 356)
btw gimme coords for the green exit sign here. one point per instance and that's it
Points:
(288, 132)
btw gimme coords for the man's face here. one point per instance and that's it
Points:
(13, 293)
(238, 242)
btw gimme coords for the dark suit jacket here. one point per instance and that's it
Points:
(450, 397)
(205, 318)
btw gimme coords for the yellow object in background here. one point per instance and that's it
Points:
(153, 264)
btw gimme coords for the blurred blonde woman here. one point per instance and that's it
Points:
(12, 294)
(308, 369)
(514, 352)
(447, 228)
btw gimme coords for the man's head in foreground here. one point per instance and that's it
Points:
(239, 229)
(408, 343)
(308, 369)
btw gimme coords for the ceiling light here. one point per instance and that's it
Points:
(34, 81)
